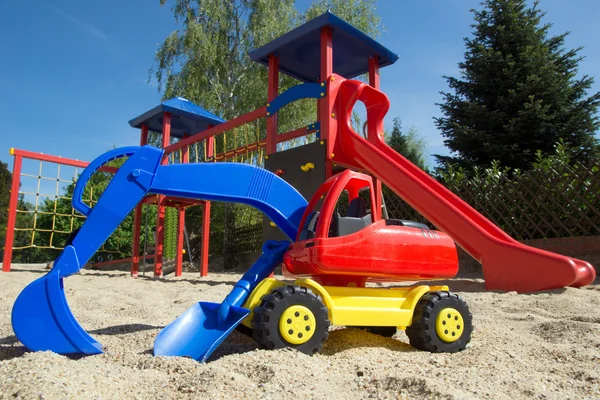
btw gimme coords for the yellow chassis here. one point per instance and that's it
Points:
(351, 306)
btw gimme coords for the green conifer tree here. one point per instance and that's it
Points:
(519, 91)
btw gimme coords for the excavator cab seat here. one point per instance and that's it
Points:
(357, 218)
(357, 208)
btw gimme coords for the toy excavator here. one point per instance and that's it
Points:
(331, 257)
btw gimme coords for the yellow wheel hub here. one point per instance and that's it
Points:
(297, 324)
(449, 325)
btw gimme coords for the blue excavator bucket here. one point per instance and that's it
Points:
(197, 332)
(41, 317)
(202, 328)
(42, 320)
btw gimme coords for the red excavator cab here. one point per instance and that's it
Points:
(343, 240)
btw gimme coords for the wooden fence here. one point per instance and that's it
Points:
(536, 204)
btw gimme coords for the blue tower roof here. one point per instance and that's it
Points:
(299, 50)
(186, 117)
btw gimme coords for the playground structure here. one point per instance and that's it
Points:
(332, 257)
(171, 119)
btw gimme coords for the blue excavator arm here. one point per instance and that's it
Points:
(41, 317)
(142, 174)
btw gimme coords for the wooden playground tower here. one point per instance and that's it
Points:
(310, 53)
(340, 48)
(173, 118)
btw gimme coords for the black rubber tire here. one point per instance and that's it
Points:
(265, 324)
(422, 332)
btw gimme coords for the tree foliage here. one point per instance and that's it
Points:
(411, 145)
(207, 59)
(5, 183)
(557, 197)
(519, 92)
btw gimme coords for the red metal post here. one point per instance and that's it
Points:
(160, 238)
(137, 219)
(326, 104)
(210, 146)
(12, 211)
(179, 254)
(160, 215)
(374, 81)
(374, 72)
(210, 149)
(185, 158)
(205, 239)
(272, 92)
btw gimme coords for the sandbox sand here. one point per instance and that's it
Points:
(544, 345)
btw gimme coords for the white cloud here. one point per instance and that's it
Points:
(83, 25)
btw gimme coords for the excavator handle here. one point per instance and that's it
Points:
(94, 166)
(376, 102)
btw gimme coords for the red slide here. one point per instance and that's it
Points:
(507, 264)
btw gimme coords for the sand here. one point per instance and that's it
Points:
(544, 345)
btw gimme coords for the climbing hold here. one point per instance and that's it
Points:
(308, 166)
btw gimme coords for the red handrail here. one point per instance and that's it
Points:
(225, 126)
(57, 159)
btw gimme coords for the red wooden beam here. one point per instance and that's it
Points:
(181, 220)
(210, 148)
(374, 72)
(272, 92)
(166, 135)
(137, 219)
(225, 126)
(12, 211)
(160, 214)
(205, 239)
(374, 80)
(179, 253)
(326, 104)
(185, 153)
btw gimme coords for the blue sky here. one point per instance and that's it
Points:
(72, 73)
